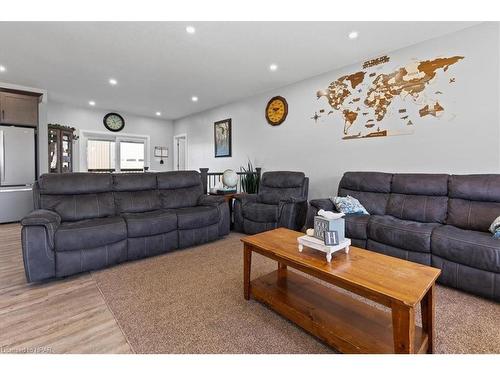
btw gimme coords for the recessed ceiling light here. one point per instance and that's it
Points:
(2, 68)
(158, 113)
(273, 67)
(190, 29)
(194, 98)
(353, 35)
(92, 103)
(113, 81)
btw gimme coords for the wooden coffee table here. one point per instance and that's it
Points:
(342, 321)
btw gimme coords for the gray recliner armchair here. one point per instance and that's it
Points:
(281, 202)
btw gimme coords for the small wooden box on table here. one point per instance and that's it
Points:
(345, 323)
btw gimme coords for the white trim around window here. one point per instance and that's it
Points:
(107, 136)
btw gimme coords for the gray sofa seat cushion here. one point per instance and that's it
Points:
(467, 247)
(150, 223)
(260, 212)
(91, 233)
(408, 235)
(356, 226)
(196, 217)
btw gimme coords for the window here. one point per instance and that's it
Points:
(108, 153)
(131, 156)
(100, 155)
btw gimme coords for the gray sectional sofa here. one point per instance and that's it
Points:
(87, 221)
(434, 219)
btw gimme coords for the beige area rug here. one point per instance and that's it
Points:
(191, 301)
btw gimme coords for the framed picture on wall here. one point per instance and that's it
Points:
(222, 138)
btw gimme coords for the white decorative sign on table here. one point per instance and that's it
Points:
(317, 244)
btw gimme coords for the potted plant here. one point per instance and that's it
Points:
(250, 179)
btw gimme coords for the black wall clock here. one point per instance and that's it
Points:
(114, 122)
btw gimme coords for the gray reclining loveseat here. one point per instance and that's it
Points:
(434, 219)
(87, 221)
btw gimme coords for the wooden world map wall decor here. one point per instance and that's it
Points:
(365, 99)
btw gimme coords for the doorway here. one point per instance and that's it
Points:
(180, 152)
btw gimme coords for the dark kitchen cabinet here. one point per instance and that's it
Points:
(18, 109)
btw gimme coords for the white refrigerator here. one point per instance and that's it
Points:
(17, 172)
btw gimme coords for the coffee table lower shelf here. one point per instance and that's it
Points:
(343, 322)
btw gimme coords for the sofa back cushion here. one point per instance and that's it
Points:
(136, 192)
(79, 206)
(77, 196)
(74, 183)
(370, 188)
(179, 189)
(275, 186)
(474, 201)
(419, 197)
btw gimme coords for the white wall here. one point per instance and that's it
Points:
(466, 140)
(159, 131)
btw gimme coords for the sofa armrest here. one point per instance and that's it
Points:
(222, 206)
(37, 238)
(246, 198)
(323, 204)
(50, 220)
(41, 217)
(293, 200)
(292, 213)
(210, 200)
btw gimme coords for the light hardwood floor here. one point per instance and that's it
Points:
(64, 316)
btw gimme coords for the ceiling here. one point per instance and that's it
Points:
(159, 66)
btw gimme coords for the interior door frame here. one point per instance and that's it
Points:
(176, 137)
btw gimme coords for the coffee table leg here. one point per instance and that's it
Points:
(403, 326)
(427, 307)
(247, 267)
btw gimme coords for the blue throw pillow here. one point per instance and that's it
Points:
(495, 227)
(349, 205)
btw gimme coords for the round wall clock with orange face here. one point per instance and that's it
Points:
(276, 110)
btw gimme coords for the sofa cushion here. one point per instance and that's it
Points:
(196, 217)
(423, 208)
(260, 212)
(276, 186)
(91, 233)
(420, 184)
(137, 201)
(150, 223)
(419, 197)
(134, 181)
(79, 206)
(467, 247)
(370, 188)
(179, 189)
(74, 183)
(474, 201)
(356, 226)
(375, 182)
(408, 235)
